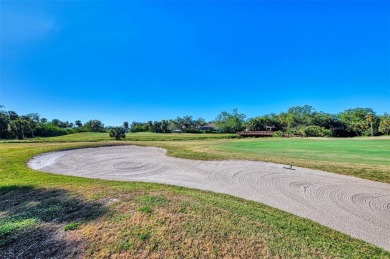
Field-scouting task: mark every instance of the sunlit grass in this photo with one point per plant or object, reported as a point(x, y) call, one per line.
point(360, 157)
point(140, 136)
point(131, 219)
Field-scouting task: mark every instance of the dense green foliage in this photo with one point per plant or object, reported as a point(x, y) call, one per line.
point(384, 125)
point(138, 136)
point(184, 124)
point(297, 121)
point(118, 133)
point(306, 121)
point(230, 122)
point(13, 125)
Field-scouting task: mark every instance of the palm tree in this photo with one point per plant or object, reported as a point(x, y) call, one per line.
point(117, 133)
point(17, 127)
point(370, 118)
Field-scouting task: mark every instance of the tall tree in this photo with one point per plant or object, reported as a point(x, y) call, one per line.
point(31, 122)
point(78, 123)
point(18, 128)
point(157, 127)
point(4, 121)
point(370, 118)
point(230, 122)
point(384, 125)
point(13, 115)
point(300, 116)
point(179, 122)
point(149, 126)
point(356, 120)
point(137, 127)
point(254, 124)
point(199, 122)
point(126, 126)
point(164, 126)
point(58, 123)
point(172, 125)
point(188, 122)
point(94, 125)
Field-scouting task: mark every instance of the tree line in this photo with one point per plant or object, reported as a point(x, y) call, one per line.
point(13, 125)
point(297, 120)
point(181, 124)
point(306, 121)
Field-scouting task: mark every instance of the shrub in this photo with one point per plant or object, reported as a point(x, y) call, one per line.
point(315, 131)
point(278, 134)
point(118, 133)
point(367, 132)
point(50, 130)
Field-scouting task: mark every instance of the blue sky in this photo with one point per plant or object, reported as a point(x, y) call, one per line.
point(153, 60)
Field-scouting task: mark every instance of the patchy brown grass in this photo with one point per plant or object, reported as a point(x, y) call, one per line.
point(134, 220)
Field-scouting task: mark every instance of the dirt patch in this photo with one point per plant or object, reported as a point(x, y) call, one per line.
point(32, 222)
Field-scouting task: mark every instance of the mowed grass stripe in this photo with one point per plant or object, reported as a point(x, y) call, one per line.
point(333, 150)
point(360, 157)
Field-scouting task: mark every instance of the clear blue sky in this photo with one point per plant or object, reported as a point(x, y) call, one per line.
point(153, 60)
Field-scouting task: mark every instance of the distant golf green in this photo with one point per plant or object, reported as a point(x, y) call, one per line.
point(361, 151)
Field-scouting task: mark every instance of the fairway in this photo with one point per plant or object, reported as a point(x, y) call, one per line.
point(155, 215)
point(322, 197)
point(354, 151)
point(367, 158)
point(145, 219)
point(141, 136)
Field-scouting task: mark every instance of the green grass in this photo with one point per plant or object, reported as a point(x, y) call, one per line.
point(141, 136)
point(72, 226)
point(355, 151)
point(367, 158)
point(180, 222)
point(361, 157)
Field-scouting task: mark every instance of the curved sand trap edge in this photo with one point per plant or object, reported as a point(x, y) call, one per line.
point(357, 207)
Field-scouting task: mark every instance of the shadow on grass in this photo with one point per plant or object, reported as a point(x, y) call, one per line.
point(32, 222)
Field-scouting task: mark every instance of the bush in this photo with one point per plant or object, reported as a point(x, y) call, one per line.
point(292, 132)
point(315, 131)
point(94, 126)
point(278, 134)
point(118, 133)
point(367, 132)
point(50, 130)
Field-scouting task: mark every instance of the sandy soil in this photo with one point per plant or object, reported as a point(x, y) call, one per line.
point(357, 207)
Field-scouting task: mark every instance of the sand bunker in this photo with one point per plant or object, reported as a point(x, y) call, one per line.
point(354, 206)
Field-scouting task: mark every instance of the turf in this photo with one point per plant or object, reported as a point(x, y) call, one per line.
point(120, 219)
point(355, 151)
point(361, 157)
point(140, 136)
